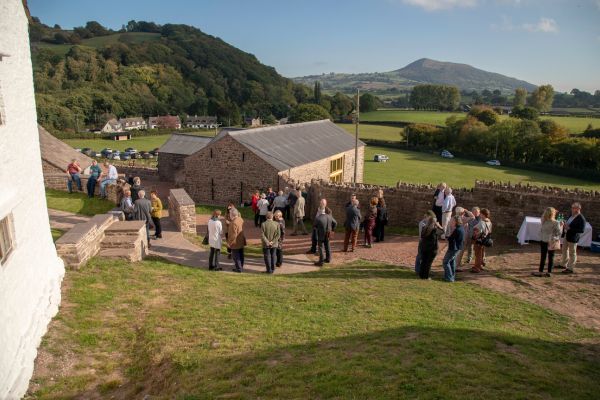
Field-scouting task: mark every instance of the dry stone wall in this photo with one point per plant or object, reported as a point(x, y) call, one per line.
point(182, 210)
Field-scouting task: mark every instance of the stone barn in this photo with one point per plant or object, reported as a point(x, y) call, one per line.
point(236, 162)
point(175, 150)
point(30, 270)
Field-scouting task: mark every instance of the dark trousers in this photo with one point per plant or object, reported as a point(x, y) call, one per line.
point(313, 241)
point(256, 218)
point(287, 213)
point(238, 259)
point(91, 186)
point(324, 251)
point(158, 228)
point(213, 258)
point(438, 212)
point(427, 258)
point(269, 255)
point(543, 252)
point(350, 238)
point(379, 231)
point(261, 219)
point(279, 254)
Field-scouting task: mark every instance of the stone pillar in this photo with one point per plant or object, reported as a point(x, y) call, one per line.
point(182, 210)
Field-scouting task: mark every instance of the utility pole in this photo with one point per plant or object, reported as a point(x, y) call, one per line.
point(356, 121)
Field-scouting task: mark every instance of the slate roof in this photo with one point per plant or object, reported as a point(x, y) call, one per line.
point(184, 144)
point(293, 145)
point(58, 153)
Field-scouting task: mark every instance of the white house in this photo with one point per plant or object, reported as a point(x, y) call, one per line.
point(133, 123)
point(112, 126)
point(30, 270)
point(202, 121)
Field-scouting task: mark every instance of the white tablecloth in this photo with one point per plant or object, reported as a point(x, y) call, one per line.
point(531, 230)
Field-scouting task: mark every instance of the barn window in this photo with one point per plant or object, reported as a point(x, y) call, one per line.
point(211, 155)
point(7, 238)
point(336, 169)
point(243, 157)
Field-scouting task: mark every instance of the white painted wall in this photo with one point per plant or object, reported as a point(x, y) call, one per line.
point(30, 278)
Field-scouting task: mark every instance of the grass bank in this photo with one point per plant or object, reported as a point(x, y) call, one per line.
point(78, 203)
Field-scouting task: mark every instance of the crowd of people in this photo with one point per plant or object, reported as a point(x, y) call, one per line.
point(106, 176)
point(136, 207)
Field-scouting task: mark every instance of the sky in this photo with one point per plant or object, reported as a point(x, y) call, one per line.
point(540, 41)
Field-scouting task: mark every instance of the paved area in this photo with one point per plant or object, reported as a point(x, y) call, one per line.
point(63, 220)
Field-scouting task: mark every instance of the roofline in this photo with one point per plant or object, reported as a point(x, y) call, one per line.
point(275, 127)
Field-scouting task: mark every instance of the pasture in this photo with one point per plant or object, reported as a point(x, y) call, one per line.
point(362, 330)
point(416, 167)
point(573, 124)
point(379, 132)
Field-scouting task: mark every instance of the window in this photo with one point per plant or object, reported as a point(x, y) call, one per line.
point(336, 170)
point(7, 240)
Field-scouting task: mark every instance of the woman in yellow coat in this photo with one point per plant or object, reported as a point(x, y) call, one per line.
point(156, 213)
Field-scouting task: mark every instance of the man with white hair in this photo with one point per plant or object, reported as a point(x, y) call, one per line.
point(447, 207)
point(279, 202)
point(313, 238)
point(109, 178)
point(142, 208)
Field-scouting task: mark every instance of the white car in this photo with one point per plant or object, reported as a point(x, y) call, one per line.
point(493, 162)
point(446, 154)
point(380, 158)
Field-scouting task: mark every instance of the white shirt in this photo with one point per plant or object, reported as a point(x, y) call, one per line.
point(280, 202)
point(440, 199)
point(449, 203)
point(215, 230)
point(263, 206)
point(112, 172)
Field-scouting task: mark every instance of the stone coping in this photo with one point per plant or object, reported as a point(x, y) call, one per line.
point(181, 197)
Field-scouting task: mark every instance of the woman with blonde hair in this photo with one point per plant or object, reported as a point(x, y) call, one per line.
point(549, 241)
point(369, 221)
point(481, 236)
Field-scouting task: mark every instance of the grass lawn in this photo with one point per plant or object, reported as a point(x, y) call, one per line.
point(379, 132)
point(141, 143)
point(357, 331)
point(573, 124)
point(56, 233)
point(415, 167)
point(77, 203)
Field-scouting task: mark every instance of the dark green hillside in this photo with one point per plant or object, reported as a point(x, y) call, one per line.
point(174, 69)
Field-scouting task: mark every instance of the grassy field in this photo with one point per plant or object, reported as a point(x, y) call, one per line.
point(356, 331)
point(391, 133)
point(415, 167)
point(77, 203)
point(574, 124)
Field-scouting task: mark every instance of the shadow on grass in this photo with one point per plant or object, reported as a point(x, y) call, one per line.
point(408, 362)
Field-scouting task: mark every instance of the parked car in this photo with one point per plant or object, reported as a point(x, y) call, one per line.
point(87, 151)
point(94, 154)
point(446, 154)
point(115, 156)
point(146, 156)
point(380, 158)
point(106, 152)
point(493, 162)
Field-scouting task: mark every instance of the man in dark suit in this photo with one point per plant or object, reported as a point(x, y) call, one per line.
point(352, 225)
point(324, 226)
point(141, 212)
point(572, 230)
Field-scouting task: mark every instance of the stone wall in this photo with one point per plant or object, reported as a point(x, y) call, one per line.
point(82, 242)
point(509, 204)
point(169, 164)
point(182, 210)
point(145, 173)
point(59, 182)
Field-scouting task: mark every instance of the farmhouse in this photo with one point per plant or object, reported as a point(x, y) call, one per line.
point(165, 121)
point(133, 123)
point(111, 126)
point(202, 121)
point(252, 122)
point(30, 270)
point(238, 161)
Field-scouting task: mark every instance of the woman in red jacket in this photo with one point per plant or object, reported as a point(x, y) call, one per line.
point(254, 205)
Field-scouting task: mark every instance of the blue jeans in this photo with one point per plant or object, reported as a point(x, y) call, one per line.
point(74, 178)
point(449, 264)
point(238, 259)
point(270, 258)
point(103, 186)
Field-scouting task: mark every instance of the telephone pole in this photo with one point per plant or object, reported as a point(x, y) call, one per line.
point(356, 121)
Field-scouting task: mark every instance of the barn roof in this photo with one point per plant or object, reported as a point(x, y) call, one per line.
point(57, 153)
point(293, 145)
point(184, 144)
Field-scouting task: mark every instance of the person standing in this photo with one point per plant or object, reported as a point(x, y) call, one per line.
point(572, 231)
point(270, 241)
point(157, 208)
point(299, 214)
point(236, 240)
point(352, 225)
point(95, 172)
point(126, 205)
point(469, 242)
point(325, 225)
point(254, 205)
point(141, 212)
point(438, 201)
point(429, 244)
point(421, 226)
point(73, 171)
point(278, 216)
point(263, 208)
point(447, 207)
point(369, 222)
point(292, 198)
point(286, 211)
point(215, 233)
point(270, 197)
point(381, 221)
point(136, 187)
point(109, 178)
point(456, 241)
point(480, 232)
point(279, 202)
point(313, 236)
point(228, 219)
point(549, 241)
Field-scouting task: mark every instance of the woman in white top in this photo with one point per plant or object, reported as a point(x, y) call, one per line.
point(263, 208)
point(549, 241)
point(215, 232)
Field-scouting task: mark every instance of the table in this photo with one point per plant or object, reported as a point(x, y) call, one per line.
point(531, 230)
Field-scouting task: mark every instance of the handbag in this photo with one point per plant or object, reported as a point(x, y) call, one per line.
point(205, 240)
point(486, 241)
point(554, 244)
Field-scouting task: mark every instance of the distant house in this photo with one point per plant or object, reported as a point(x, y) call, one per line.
point(252, 122)
point(165, 122)
point(129, 124)
point(121, 136)
point(201, 121)
point(111, 126)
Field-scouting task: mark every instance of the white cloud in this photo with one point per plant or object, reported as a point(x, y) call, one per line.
point(435, 5)
point(546, 25)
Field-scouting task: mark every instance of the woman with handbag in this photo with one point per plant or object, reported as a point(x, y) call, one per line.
point(482, 236)
point(549, 242)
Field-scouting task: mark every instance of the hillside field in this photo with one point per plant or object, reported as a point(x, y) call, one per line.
point(573, 124)
point(378, 132)
point(416, 167)
point(101, 41)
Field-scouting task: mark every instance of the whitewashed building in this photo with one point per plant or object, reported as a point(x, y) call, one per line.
point(111, 126)
point(30, 270)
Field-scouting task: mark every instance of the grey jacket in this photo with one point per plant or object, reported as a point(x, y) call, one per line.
point(324, 223)
point(353, 218)
point(141, 210)
point(550, 231)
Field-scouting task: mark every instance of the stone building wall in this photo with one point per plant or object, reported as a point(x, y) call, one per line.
point(169, 165)
point(182, 210)
point(509, 204)
point(321, 169)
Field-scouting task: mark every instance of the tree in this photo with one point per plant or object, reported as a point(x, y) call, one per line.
point(341, 105)
point(520, 97)
point(369, 102)
point(308, 112)
point(484, 114)
point(317, 92)
point(542, 98)
point(529, 113)
point(435, 97)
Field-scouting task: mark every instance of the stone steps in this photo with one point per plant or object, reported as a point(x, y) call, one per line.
point(130, 255)
point(124, 240)
point(119, 241)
